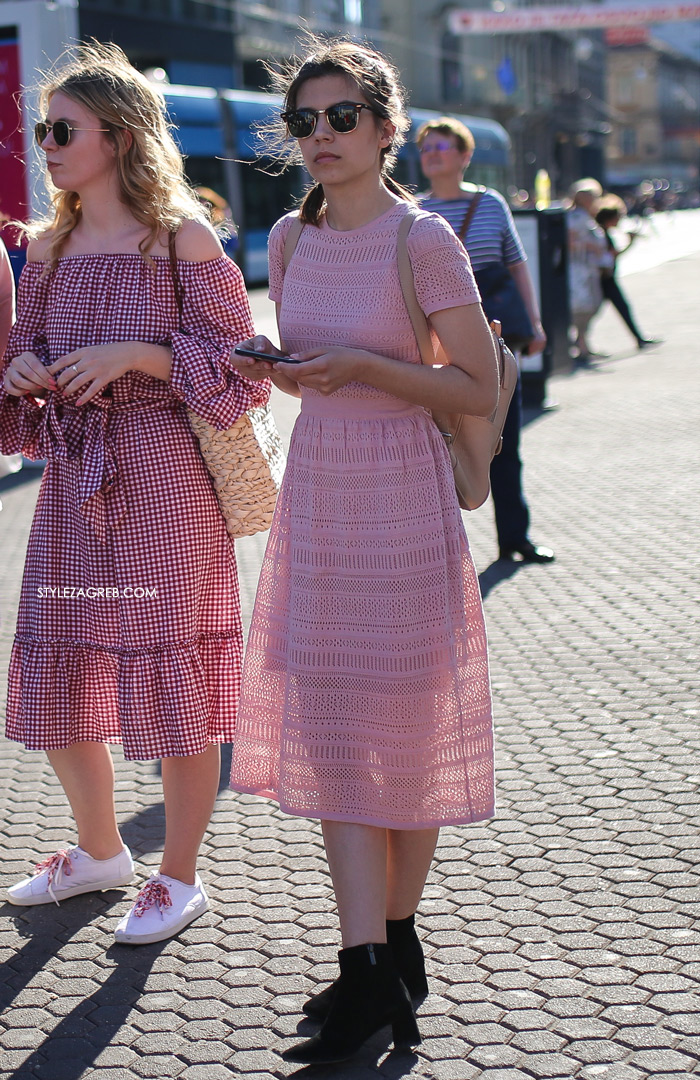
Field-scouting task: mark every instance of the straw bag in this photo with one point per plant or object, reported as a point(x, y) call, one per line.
point(246, 461)
point(472, 441)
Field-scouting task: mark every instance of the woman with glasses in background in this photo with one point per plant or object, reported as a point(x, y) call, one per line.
point(365, 699)
point(129, 626)
point(483, 221)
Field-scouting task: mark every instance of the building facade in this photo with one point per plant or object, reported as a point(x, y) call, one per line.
point(547, 89)
point(217, 42)
point(655, 92)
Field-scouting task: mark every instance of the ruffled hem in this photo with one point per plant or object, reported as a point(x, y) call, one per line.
point(171, 701)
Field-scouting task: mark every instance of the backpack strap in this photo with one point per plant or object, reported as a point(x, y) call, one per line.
point(416, 314)
point(291, 240)
point(408, 288)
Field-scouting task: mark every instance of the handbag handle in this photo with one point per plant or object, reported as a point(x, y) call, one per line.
point(177, 284)
point(471, 210)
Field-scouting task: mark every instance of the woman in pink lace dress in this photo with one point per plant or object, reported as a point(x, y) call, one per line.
point(365, 698)
point(129, 624)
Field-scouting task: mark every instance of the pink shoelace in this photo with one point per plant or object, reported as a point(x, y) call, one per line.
point(55, 863)
point(154, 894)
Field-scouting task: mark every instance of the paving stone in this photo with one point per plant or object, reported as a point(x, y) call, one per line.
point(560, 935)
point(647, 1037)
point(596, 1051)
point(664, 1061)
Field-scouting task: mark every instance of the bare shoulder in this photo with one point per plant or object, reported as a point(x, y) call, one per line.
point(197, 242)
point(38, 248)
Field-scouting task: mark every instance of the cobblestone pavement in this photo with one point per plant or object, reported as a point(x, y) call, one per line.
point(562, 938)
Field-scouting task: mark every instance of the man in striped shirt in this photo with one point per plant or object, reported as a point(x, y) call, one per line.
point(446, 148)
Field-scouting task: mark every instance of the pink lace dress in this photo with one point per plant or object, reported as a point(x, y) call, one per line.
point(365, 690)
point(129, 626)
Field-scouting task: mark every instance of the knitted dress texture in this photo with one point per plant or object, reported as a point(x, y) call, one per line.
point(365, 689)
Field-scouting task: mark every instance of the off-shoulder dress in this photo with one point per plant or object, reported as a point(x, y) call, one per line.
point(366, 687)
point(129, 626)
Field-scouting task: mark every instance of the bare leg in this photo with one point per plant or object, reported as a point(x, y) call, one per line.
point(86, 773)
point(190, 785)
point(581, 323)
point(409, 855)
point(357, 856)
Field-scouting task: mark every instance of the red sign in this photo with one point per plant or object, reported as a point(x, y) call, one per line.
point(14, 201)
point(570, 17)
point(627, 35)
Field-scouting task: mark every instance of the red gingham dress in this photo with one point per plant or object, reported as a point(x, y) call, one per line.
point(126, 507)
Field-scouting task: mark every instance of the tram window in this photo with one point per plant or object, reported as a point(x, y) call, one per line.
point(206, 172)
point(267, 197)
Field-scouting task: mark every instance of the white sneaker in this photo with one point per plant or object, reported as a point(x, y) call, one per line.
point(163, 908)
point(69, 873)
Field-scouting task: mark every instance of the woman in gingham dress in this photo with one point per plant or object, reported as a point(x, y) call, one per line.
point(129, 624)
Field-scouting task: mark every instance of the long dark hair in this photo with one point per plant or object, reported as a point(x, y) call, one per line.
point(378, 82)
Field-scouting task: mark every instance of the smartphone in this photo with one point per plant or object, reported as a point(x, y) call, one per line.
point(240, 351)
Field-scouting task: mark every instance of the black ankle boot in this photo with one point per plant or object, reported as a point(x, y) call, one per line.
point(402, 939)
point(407, 952)
point(369, 995)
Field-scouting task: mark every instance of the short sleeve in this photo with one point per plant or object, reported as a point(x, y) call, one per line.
point(275, 255)
point(216, 315)
point(513, 250)
point(441, 268)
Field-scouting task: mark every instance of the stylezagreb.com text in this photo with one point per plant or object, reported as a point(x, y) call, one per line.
point(97, 592)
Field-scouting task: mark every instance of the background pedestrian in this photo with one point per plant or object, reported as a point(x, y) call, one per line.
point(491, 239)
point(608, 213)
point(588, 256)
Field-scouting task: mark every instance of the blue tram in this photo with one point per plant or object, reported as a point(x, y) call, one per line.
point(215, 131)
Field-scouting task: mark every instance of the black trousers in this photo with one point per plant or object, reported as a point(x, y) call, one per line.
point(613, 293)
point(512, 514)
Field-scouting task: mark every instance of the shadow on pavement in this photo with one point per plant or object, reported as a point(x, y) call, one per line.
point(499, 570)
point(83, 1034)
point(396, 1064)
point(45, 930)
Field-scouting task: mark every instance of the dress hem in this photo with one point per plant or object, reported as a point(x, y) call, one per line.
point(211, 740)
point(363, 820)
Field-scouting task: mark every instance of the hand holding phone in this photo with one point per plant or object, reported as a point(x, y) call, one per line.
point(240, 350)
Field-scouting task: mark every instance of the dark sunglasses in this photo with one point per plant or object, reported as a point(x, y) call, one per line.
point(343, 117)
point(62, 131)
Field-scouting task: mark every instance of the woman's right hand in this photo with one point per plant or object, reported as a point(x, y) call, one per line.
point(247, 365)
point(27, 375)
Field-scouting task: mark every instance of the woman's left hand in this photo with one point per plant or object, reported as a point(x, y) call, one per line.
point(326, 370)
point(89, 370)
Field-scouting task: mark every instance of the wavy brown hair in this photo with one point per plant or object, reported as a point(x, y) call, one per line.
point(149, 166)
point(376, 79)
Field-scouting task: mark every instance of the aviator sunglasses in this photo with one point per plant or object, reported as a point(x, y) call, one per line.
point(62, 131)
point(343, 117)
